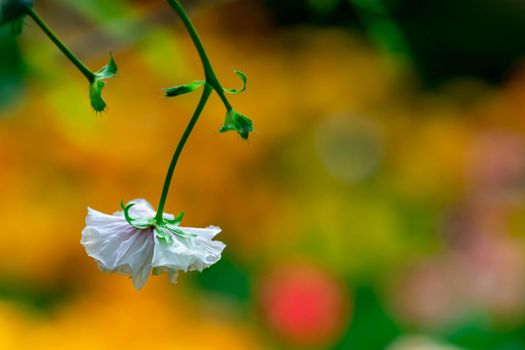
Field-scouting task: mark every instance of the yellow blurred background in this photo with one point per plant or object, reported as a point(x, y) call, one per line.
point(378, 205)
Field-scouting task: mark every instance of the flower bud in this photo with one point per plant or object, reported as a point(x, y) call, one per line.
point(237, 122)
point(96, 86)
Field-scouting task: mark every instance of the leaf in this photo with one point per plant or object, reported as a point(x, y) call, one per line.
point(244, 79)
point(237, 122)
point(183, 89)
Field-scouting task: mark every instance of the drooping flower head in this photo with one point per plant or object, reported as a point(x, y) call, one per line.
point(132, 242)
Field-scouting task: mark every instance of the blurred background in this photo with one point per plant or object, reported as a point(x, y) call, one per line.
point(379, 204)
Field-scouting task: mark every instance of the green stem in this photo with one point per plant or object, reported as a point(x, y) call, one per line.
point(167, 182)
point(212, 83)
point(211, 78)
point(224, 100)
point(54, 38)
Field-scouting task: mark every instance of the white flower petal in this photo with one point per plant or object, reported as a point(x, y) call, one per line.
point(206, 233)
point(118, 247)
point(95, 217)
point(187, 254)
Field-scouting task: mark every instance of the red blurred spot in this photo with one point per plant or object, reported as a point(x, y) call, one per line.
point(304, 305)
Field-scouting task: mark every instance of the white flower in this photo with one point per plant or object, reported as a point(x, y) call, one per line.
point(132, 243)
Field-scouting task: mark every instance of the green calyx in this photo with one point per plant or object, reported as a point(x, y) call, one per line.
point(164, 228)
point(237, 122)
point(97, 84)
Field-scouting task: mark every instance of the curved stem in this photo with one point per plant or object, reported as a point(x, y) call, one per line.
point(204, 98)
point(212, 83)
point(54, 38)
point(211, 78)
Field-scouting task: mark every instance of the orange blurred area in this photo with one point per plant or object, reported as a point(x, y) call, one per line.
point(365, 212)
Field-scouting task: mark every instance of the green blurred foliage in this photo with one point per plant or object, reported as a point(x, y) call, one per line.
point(11, 68)
point(372, 327)
point(444, 38)
point(229, 278)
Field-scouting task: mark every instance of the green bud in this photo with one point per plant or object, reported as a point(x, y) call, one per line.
point(183, 89)
point(96, 86)
point(95, 95)
point(237, 122)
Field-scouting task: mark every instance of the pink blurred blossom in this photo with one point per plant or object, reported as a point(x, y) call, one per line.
point(303, 304)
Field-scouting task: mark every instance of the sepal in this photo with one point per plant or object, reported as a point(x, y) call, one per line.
point(163, 234)
point(183, 89)
point(164, 228)
point(141, 223)
point(244, 80)
point(108, 71)
point(179, 232)
point(177, 220)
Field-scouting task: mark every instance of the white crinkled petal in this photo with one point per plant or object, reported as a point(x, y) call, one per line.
point(206, 233)
point(118, 247)
point(187, 254)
